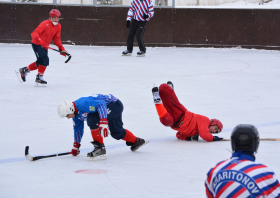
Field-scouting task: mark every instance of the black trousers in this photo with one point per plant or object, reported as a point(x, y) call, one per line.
point(114, 116)
point(136, 28)
point(41, 54)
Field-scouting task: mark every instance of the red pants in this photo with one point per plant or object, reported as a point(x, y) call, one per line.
point(174, 108)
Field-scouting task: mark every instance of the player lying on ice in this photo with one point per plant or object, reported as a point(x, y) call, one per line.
point(103, 114)
point(173, 114)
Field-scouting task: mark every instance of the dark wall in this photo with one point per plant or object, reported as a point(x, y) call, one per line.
point(85, 25)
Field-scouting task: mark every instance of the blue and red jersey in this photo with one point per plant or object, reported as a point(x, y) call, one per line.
point(240, 177)
point(140, 7)
point(90, 104)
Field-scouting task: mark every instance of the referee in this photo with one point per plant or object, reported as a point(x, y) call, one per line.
point(141, 11)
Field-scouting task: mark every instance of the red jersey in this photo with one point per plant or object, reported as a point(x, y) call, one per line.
point(194, 124)
point(48, 32)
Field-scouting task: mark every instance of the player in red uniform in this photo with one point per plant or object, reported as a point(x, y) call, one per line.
point(48, 31)
point(173, 114)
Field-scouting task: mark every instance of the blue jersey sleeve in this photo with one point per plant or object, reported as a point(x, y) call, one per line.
point(78, 126)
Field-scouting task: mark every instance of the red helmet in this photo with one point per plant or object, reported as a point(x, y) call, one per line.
point(55, 13)
point(218, 123)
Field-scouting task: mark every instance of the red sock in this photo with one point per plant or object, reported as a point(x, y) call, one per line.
point(32, 66)
point(129, 137)
point(160, 110)
point(41, 69)
point(95, 136)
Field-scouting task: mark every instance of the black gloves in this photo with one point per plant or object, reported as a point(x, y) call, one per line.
point(145, 16)
point(128, 24)
point(216, 138)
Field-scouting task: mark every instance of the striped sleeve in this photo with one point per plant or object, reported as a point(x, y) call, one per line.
point(268, 183)
point(209, 189)
point(209, 194)
point(265, 179)
point(151, 9)
point(78, 126)
point(102, 110)
point(130, 13)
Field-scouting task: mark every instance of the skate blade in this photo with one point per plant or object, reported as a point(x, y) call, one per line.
point(19, 76)
point(141, 55)
point(97, 158)
point(146, 142)
point(40, 85)
point(129, 54)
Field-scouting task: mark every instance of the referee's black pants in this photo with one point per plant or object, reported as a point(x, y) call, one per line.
point(136, 28)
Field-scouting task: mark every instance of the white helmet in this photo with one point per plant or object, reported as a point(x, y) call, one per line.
point(65, 108)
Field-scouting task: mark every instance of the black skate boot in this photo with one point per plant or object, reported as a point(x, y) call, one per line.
point(156, 96)
point(98, 153)
point(139, 142)
point(141, 53)
point(23, 73)
point(193, 138)
point(40, 80)
point(170, 84)
point(127, 53)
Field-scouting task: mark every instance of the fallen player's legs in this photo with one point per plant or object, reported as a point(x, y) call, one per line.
point(171, 103)
point(165, 118)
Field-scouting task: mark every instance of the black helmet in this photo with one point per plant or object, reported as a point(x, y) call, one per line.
point(245, 137)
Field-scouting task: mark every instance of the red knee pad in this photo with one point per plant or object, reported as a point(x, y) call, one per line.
point(167, 120)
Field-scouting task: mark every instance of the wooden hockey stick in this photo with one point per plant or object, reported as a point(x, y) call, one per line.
point(69, 55)
point(263, 139)
point(41, 157)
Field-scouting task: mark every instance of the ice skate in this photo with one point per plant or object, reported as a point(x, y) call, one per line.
point(98, 153)
point(170, 84)
point(139, 142)
point(141, 53)
point(156, 96)
point(40, 81)
point(193, 138)
point(21, 74)
point(127, 53)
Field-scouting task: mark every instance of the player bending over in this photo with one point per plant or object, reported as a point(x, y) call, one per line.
point(240, 176)
point(48, 31)
point(103, 114)
point(173, 114)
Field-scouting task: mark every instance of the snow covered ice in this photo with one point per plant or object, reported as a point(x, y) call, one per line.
point(234, 85)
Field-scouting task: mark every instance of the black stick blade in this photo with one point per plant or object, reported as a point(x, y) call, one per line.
point(69, 57)
point(26, 150)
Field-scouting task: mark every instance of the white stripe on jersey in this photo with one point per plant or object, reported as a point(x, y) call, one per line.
point(275, 192)
point(266, 182)
point(229, 190)
point(246, 194)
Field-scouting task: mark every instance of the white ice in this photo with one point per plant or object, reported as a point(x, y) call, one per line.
point(234, 85)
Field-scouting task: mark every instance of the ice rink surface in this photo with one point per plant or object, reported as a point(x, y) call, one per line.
point(233, 85)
